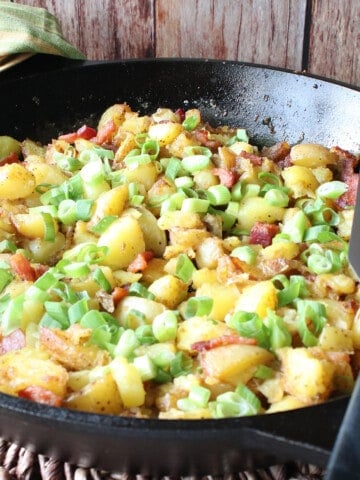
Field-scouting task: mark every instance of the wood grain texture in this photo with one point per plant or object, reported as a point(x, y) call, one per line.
point(321, 36)
point(105, 29)
point(260, 31)
point(335, 40)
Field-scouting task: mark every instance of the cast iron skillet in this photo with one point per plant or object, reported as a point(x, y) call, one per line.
point(273, 105)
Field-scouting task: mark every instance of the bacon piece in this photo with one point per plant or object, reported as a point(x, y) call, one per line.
point(118, 294)
point(262, 233)
point(222, 341)
point(40, 395)
point(348, 163)
point(227, 177)
point(140, 262)
point(14, 341)
point(254, 159)
point(277, 152)
point(12, 158)
point(22, 267)
point(203, 137)
point(106, 132)
point(68, 137)
point(181, 114)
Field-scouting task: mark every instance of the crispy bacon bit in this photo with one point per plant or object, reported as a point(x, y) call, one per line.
point(254, 159)
point(22, 267)
point(69, 137)
point(118, 294)
point(181, 114)
point(40, 395)
point(84, 132)
point(12, 158)
point(227, 177)
point(262, 233)
point(277, 152)
point(140, 262)
point(106, 132)
point(14, 341)
point(348, 163)
point(222, 341)
point(203, 137)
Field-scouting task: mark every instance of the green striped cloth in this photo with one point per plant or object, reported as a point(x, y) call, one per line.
point(32, 29)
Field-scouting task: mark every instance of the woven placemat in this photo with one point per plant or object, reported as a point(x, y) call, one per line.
point(17, 463)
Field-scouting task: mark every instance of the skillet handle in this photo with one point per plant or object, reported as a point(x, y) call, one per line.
point(344, 463)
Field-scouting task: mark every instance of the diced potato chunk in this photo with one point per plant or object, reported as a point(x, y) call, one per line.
point(336, 339)
point(128, 381)
point(258, 298)
point(15, 181)
point(306, 377)
point(256, 209)
point(224, 298)
point(233, 364)
point(169, 290)
point(311, 155)
point(199, 329)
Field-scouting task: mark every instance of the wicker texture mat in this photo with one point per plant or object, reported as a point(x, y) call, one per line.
point(17, 463)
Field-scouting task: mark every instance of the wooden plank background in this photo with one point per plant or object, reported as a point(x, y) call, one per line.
point(319, 36)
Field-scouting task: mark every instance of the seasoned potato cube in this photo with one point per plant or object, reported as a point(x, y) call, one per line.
point(312, 155)
point(180, 219)
point(116, 113)
point(124, 239)
point(300, 180)
point(143, 174)
point(99, 396)
point(208, 252)
point(169, 290)
point(111, 202)
point(32, 225)
point(306, 377)
point(154, 236)
point(258, 298)
point(256, 209)
point(287, 403)
point(164, 133)
point(43, 172)
point(233, 364)
point(288, 250)
point(336, 340)
point(345, 223)
point(204, 275)
point(198, 329)
point(15, 181)
point(224, 298)
point(40, 371)
point(149, 308)
point(128, 381)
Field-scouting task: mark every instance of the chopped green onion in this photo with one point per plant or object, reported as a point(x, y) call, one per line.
point(57, 311)
point(250, 325)
point(263, 372)
point(139, 290)
point(293, 289)
point(270, 179)
point(198, 306)
point(241, 135)
point(151, 148)
point(12, 316)
point(51, 209)
point(195, 163)
point(93, 172)
point(240, 403)
point(279, 336)
point(101, 280)
point(190, 123)
point(127, 343)
point(251, 190)
point(5, 278)
point(76, 269)
point(184, 182)
point(180, 365)
point(313, 313)
point(195, 205)
point(197, 150)
point(67, 211)
point(7, 245)
point(326, 216)
point(78, 310)
point(276, 197)
point(145, 335)
point(173, 168)
point(184, 268)
point(133, 161)
point(146, 367)
point(141, 138)
point(102, 225)
point(49, 234)
point(218, 195)
point(67, 163)
point(333, 189)
point(165, 326)
point(83, 209)
point(245, 253)
point(295, 227)
point(318, 263)
point(104, 152)
point(199, 395)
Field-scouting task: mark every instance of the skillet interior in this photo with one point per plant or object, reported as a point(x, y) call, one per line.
point(273, 105)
